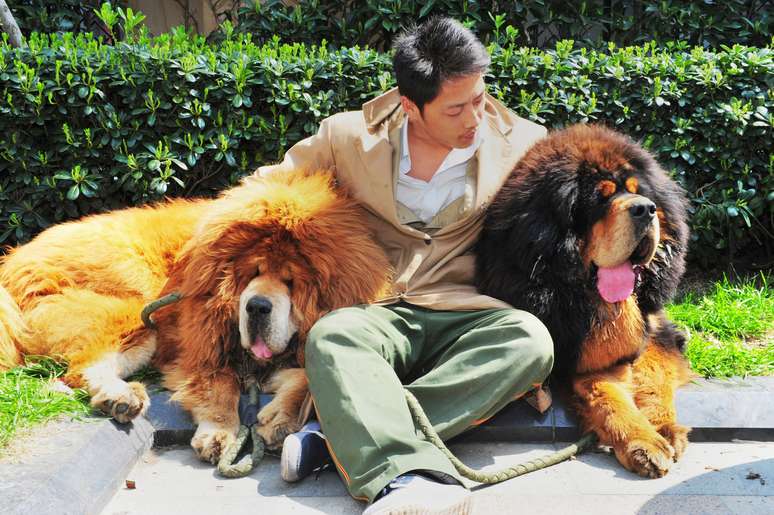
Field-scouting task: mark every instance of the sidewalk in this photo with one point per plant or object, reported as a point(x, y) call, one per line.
point(712, 478)
point(79, 467)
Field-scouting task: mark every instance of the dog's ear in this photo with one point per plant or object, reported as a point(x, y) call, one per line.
point(349, 267)
point(529, 255)
point(532, 221)
point(659, 280)
point(206, 266)
point(357, 269)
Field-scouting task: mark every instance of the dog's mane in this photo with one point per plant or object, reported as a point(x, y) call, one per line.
point(300, 217)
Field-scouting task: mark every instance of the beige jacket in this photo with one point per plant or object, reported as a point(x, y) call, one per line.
point(433, 269)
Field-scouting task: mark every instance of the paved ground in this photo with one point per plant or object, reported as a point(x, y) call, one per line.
point(712, 478)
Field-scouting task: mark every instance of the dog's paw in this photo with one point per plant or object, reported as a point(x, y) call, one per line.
point(209, 442)
point(677, 436)
point(274, 424)
point(122, 401)
point(648, 458)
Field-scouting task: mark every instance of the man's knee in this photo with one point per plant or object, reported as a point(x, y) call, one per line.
point(336, 330)
point(535, 347)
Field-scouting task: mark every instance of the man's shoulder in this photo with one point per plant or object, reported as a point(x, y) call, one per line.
point(347, 118)
point(346, 125)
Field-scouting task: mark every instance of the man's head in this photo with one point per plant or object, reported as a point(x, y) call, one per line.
point(439, 67)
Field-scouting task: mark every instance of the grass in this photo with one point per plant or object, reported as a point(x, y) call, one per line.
point(27, 397)
point(731, 327)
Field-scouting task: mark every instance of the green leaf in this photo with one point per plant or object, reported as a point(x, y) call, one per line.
point(426, 8)
point(179, 163)
point(73, 192)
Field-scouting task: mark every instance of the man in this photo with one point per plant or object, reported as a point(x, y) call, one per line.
point(425, 160)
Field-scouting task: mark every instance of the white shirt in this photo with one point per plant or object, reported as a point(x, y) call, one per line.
point(426, 199)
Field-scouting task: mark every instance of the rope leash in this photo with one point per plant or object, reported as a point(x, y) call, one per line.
point(247, 432)
point(166, 300)
point(501, 475)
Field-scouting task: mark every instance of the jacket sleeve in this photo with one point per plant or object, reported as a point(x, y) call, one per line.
point(314, 152)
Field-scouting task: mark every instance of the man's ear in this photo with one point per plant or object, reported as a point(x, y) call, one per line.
point(410, 108)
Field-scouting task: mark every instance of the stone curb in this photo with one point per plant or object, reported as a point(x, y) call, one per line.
point(77, 471)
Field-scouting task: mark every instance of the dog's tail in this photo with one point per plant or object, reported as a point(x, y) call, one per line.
point(11, 328)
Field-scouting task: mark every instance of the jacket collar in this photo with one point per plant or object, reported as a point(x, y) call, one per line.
point(383, 116)
point(387, 105)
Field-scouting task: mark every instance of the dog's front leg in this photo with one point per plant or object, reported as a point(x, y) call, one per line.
point(607, 407)
point(213, 399)
point(280, 417)
point(104, 378)
point(657, 374)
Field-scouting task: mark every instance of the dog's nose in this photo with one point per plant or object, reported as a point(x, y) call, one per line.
point(258, 305)
point(642, 209)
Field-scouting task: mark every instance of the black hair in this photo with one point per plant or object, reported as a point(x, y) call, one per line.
point(429, 54)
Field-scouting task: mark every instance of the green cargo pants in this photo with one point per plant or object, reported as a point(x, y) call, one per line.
point(462, 366)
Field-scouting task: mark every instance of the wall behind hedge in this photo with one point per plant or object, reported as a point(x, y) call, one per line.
point(540, 23)
point(86, 127)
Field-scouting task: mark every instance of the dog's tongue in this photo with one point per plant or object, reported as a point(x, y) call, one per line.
point(260, 349)
point(616, 284)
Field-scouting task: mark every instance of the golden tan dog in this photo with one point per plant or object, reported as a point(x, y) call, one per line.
point(255, 268)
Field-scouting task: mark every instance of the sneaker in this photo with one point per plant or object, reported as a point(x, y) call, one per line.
point(411, 494)
point(303, 453)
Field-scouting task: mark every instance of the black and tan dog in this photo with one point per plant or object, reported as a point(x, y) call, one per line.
point(588, 233)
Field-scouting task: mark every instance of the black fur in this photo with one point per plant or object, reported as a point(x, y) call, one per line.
point(529, 253)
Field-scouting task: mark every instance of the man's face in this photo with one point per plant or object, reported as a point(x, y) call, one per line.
point(451, 118)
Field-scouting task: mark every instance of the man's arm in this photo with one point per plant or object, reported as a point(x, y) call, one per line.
point(314, 152)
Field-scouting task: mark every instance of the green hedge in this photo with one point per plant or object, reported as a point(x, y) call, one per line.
point(86, 126)
point(540, 23)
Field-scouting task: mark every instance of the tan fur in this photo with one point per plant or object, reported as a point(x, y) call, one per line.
point(631, 408)
point(613, 238)
point(606, 188)
point(281, 414)
point(620, 337)
point(77, 290)
point(632, 184)
point(302, 242)
point(656, 375)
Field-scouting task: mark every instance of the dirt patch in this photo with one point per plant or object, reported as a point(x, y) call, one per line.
point(35, 440)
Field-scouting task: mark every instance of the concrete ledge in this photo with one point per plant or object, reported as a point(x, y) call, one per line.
point(718, 410)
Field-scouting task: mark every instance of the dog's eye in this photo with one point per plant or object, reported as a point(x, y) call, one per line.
point(288, 283)
point(631, 185)
point(606, 188)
